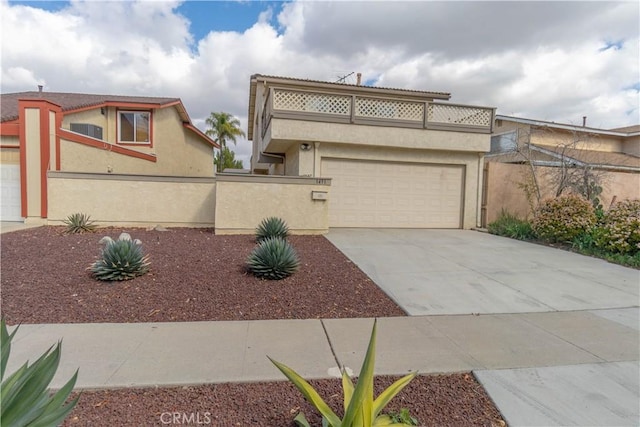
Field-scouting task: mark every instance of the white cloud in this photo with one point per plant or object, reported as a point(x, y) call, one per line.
point(535, 59)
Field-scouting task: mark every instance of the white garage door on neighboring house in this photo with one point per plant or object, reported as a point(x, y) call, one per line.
point(10, 193)
point(394, 195)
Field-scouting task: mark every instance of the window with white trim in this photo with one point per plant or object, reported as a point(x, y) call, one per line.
point(134, 127)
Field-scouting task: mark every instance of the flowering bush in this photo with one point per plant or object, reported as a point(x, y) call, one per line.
point(564, 218)
point(620, 229)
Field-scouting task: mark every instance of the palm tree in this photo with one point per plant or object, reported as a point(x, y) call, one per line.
point(223, 127)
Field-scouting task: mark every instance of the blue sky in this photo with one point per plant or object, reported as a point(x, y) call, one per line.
point(225, 16)
point(205, 16)
point(556, 61)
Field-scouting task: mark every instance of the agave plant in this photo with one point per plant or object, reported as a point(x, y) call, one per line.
point(79, 223)
point(272, 227)
point(121, 259)
point(360, 409)
point(274, 258)
point(24, 395)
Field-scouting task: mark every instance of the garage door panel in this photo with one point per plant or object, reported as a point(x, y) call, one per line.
point(393, 194)
point(10, 198)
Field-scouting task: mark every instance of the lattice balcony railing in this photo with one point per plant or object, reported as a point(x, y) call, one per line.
point(310, 102)
point(381, 111)
point(389, 109)
point(459, 115)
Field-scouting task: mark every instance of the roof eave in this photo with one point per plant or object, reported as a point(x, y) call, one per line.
point(542, 123)
point(353, 88)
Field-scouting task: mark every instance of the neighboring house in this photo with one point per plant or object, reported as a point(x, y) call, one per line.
point(48, 139)
point(613, 155)
point(395, 157)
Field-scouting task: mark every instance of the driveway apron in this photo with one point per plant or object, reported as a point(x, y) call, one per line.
point(435, 272)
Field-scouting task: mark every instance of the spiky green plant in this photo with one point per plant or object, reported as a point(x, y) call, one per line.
point(24, 395)
point(79, 223)
point(272, 227)
point(274, 258)
point(121, 259)
point(360, 409)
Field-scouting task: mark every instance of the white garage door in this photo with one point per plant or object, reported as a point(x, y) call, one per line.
point(10, 193)
point(393, 195)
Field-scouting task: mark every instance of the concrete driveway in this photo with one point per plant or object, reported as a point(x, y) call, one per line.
point(430, 272)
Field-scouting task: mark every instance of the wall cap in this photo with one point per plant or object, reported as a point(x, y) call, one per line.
point(272, 179)
point(129, 177)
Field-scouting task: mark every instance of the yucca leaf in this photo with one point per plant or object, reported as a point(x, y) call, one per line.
point(386, 421)
point(6, 346)
point(24, 397)
point(301, 420)
point(347, 388)
point(121, 259)
point(274, 258)
point(37, 379)
point(272, 227)
point(79, 223)
point(309, 393)
point(363, 393)
point(390, 392)
point(13, 386)
point(55, 412)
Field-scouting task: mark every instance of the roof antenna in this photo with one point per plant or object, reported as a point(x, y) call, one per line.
point(343, 78)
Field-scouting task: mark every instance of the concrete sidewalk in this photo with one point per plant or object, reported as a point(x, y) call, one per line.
point(149, 354)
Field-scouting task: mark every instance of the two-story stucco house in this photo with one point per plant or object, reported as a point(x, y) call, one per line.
point(61, 152)
point(396, 157)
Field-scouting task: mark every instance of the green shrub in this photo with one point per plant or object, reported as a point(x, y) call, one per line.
point(620, 229)
point(121, 259)
point(509, 225)
point(563, 219)
point(586, 242)
point(25, 399)
point(274, 258)
point(272, 227)
point(79, 223)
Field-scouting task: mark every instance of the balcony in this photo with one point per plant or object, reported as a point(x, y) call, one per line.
point(376, 111)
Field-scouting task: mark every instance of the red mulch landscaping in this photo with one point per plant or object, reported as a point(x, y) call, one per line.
point(435, 400)
point(195, 275)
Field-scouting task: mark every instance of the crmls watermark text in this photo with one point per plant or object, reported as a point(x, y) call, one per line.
point(185, 418)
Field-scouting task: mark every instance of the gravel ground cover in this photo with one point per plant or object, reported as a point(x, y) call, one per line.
point(195, 275)
point(435, 400)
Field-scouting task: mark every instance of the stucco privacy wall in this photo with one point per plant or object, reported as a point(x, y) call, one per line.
point(503, 190)
point(132, 200)
point(472, 162)
point(243, 201)
point(178, 151)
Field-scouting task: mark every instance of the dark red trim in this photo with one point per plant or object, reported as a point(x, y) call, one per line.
point(85, 140)
point(9, 146)
point(11, 128)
